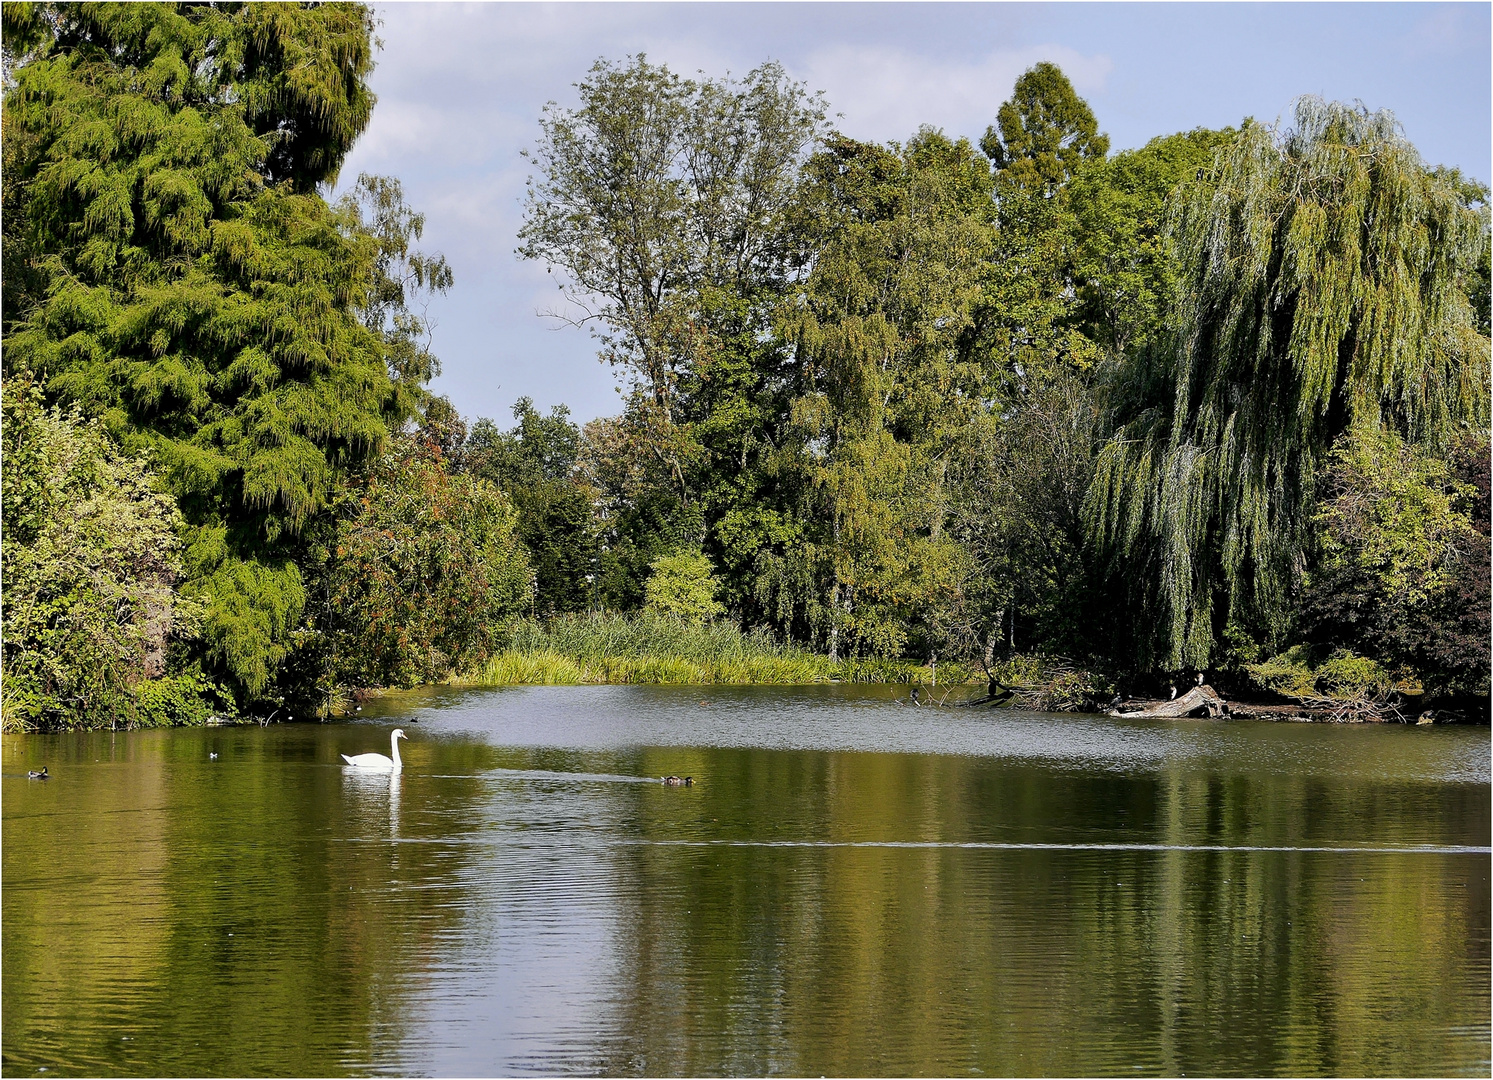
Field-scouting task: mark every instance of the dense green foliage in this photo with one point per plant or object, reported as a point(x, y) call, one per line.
point(91, 559)
point(179, 277)
point(426, 573)
point(682, 585)
point(1323, 290)
point(666, 207)
point(172, 271)
point(1401, 567)
point(1188, 405)
point(535, 463)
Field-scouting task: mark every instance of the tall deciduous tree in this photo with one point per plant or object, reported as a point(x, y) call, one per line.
point(178, 276)
point(658, 194)
point(1025, 460)
point(1324, 276)
point(664, 205)
point(885, 380)
point(1123, 272)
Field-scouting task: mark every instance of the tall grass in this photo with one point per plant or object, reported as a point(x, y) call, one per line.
point(660, 649)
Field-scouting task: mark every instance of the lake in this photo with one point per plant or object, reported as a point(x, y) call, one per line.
point(852, 886)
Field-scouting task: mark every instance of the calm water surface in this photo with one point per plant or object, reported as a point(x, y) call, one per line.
point(853, 886)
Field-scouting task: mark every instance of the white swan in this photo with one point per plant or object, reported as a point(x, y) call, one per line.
point(378, 761)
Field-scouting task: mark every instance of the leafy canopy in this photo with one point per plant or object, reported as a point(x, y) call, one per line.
point(426, 575)
point(1400, 568)
point(179, 277)
point(884, 378)
point(682, 585)
point(534, 464)
point(90, 560)
point(663, 203)
point(1323, 288)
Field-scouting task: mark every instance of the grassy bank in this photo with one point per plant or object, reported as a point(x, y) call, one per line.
point(658, 649)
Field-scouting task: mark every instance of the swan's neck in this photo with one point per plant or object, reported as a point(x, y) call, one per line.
point(395, 740)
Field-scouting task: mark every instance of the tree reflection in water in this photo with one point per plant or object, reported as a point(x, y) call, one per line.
point(1021, 907)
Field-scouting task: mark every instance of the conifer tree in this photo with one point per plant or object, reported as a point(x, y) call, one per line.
point(172, 270)
point(1044, 133)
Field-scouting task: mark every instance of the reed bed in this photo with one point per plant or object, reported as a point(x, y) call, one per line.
point(661, 650)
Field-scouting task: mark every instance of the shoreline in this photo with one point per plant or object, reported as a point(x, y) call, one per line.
point(664, 671)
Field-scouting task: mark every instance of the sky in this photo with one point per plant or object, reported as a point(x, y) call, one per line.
point(461, 86)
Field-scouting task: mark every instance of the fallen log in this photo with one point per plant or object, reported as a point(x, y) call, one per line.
point(1199, 701)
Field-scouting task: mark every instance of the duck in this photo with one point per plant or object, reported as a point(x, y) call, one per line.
point(676, 781)
point(33, 775)
point(377, 762)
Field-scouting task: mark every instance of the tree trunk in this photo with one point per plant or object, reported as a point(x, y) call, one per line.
point(1199, 701)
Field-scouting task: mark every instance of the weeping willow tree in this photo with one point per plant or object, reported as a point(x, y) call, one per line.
point(1324, 276)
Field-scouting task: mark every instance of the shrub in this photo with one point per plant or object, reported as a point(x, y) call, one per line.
point(682, 585)
point(1402, 559)
point(426, 573)
point(1282, 676)
point(91, 559)
point(191, 699)
point(1344, 674)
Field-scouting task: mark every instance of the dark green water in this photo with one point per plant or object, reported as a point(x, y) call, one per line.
point(853, 886)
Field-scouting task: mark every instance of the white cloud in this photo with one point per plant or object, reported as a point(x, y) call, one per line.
point(886, 93)
point(1449, 29)
point(461, 88)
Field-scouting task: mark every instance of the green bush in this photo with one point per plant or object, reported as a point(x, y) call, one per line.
point(1401, 570)
point(91, 560)
point(1290, 679)
point(426, 574)
point(1344, 674)
point(191, 699)
point(683, 585)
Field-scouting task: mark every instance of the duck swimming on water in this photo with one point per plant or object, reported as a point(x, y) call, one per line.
point(38, 775)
